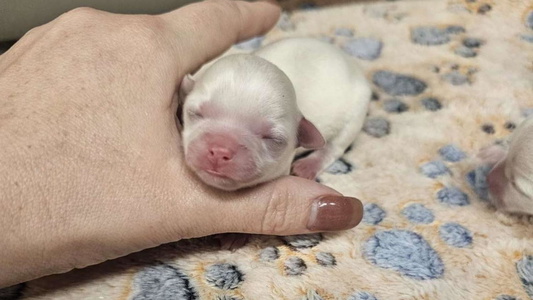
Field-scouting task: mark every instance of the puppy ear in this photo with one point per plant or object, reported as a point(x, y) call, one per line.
point(186, 86)
point(308, 135)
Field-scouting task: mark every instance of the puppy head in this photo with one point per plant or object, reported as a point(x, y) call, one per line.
point(241, 123)
point(511, 179)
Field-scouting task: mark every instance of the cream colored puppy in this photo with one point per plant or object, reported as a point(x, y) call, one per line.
point(246, 116)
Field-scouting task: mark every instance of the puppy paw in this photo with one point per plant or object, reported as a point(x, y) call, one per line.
point(307, 167)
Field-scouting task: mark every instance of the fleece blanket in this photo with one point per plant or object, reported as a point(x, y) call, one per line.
point(449, 77)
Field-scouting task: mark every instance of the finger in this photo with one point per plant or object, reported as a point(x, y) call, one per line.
point(205, 30)
point(287, 206)
point(23, 44)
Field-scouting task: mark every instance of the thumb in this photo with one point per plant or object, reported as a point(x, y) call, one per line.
point(290, 205)
point(206, 29)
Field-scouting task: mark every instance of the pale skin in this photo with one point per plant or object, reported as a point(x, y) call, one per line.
point(91, 164)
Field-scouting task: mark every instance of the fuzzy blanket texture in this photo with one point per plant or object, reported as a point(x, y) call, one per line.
point(449, 77)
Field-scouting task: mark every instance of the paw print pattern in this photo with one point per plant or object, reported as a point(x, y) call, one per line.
point(397, 84)
point(491, 128)
point(362, 296)
point(377, 127)
point(469, 47)
point(340, 166)
point(452, 153)
point(449, 195)
point(456, 74)
point(434, 169)
point(269, 254)
point(418, 214)
point(477, 179)
point(294, 262)
point(452, 196)
point(506, 297)
point(366, 48)
point(524, 268)
point(488, 128)
point(434, 35)
point(224, 276)
point(163, 282)
point(373, 214)
point(528, 22)
point(303, 240)
point(395, 106)
point(476, 6)
point(405, 252)
point(431, 104)
point(326, 259)
point(295, 266)
point(455, 235)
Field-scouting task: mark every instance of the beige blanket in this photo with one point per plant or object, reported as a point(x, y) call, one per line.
point(450, 77)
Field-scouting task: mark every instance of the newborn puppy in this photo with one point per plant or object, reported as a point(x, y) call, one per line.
point(247, 115)
point(511, 179)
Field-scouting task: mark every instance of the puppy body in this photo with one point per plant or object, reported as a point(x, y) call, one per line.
point(247, 115)
point(511, 179)
point(331, 91)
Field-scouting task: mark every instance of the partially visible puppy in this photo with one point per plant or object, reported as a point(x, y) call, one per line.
point(511, 179)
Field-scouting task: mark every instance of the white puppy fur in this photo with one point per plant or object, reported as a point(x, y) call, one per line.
point(260, 104)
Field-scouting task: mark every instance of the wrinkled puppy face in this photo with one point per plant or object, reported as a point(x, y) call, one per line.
point(241, 124)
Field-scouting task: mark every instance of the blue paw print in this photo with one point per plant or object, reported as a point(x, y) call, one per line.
point(340, 166)
point(505, 297)
point(434, 169)
point(477, 179)
point(408, 252)
point(362, 296)
point(418, 214)
point(455, 235)
point(405, 252)
point(162, 282)
point(373, 214)
point(453, 196)
point(452, 153)
point(524, 268)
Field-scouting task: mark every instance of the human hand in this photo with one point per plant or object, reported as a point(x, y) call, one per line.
point(91, 167)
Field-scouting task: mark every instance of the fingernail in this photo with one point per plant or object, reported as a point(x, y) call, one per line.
point(331, 213)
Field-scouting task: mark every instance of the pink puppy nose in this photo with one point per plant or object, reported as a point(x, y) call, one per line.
point(220, 154)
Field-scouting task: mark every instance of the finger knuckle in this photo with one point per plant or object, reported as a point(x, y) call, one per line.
point(145, 31)
point(34, 31)
point(79, 15)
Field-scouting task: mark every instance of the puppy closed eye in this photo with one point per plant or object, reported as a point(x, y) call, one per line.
point(194, 115)
point(274, 142)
